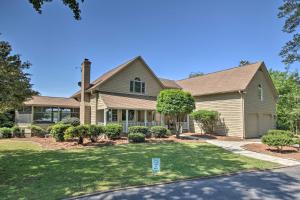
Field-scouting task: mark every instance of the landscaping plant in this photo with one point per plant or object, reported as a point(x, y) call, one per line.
point(74, 121)
point(207, 119)
point(94, 131)
point(17, 132)
point(278, 139)
point(176, 104)
point(159, 131)
point(139, 129)
point(58, 131)
point(136, 137)
point(37, 131)
point(113, 131)
point(5, 132)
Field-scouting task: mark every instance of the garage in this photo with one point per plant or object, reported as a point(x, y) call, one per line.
point(266, 123)
point(252, 125)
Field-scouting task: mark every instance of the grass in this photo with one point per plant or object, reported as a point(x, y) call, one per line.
point(29, 172)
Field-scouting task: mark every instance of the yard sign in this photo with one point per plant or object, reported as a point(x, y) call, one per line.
point(155, 165)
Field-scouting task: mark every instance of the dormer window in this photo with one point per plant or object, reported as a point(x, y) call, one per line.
point(137, 86)
point(260, 92)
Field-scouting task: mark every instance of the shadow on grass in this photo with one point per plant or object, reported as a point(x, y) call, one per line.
point(32, 174)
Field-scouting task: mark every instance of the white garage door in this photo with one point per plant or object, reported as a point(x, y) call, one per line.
point(252, 126)
point(266, 123)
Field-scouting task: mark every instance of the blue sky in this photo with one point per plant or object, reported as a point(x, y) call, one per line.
point(174, 37)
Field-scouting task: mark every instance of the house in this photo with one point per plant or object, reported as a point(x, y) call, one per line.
point(244, 96)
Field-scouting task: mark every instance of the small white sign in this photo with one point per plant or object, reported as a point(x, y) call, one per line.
point(155, 165)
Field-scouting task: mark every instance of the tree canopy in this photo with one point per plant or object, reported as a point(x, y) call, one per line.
point(72, 4)
point(15, 85)
point(176, 104)
point(195, 74)
point(244, 62)
point(288, 86)
point(290, 11)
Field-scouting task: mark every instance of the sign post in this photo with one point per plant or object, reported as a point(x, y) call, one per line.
point(155, 165)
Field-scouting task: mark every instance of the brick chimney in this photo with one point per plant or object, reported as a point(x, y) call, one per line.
point(85, 109)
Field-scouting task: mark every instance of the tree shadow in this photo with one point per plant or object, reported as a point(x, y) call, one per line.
point(49, 174)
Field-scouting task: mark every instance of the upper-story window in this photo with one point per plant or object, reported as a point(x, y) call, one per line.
point(260, 92)
point(137, 86)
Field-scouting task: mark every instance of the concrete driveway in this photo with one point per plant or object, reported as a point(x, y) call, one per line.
point(281, 184)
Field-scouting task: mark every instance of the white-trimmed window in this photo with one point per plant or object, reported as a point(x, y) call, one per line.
point(260, 92)
point(137, 86)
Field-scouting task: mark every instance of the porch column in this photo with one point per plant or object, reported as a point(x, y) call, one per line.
point(126, 125)
point(188, 122)
point(32, 113)
point(104, 116)
point(145, 117)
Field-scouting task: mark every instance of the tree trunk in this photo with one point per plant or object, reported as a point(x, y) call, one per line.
point(80, 140)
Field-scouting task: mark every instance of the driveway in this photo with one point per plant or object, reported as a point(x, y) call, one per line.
point(275, 184)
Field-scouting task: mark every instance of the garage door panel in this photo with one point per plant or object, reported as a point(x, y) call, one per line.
point(252, 125)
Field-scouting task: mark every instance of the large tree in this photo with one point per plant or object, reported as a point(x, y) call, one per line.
point(290, 11)
point(288, 87)
point(175, 104)
point(15, 85)
point(73, 5)
point(195, 74)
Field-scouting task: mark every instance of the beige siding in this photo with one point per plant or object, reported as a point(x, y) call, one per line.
point(265, 110)
point(120, 83)
point(100, 103)
point(93, 103)
point(230, 108)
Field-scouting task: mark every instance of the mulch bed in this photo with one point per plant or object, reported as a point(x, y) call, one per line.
point(287, 152)
point(213, 136)
point(50, 143)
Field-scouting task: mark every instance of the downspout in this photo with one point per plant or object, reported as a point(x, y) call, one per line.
point(243, 112)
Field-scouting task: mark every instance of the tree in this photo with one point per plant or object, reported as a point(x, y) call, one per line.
point(195, 74)
point(288, 87)
point(290, 10)
point(244, 62)
point(15, 85)
point(73, 5)
point(175, 104)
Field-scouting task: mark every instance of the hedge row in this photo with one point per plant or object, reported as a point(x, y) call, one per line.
point(139, 133)
point(15, 131)
point(280, 138)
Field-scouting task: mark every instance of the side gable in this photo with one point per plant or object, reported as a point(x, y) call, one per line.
point(119, 82)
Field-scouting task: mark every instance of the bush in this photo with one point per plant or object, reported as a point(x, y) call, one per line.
point(159, 131)
point(37, 131)
point(49, 128)
point(139, 129)
point(136, 137)
point(95, 131)
point(280, 132)
point(297, 142)
point(113, 131)
point(5, 132)
point(58, 131)
point(278, 140)
point(70, 133)
point(17, 132)
point(206, 118)
point(74, 121)
point(82, 131)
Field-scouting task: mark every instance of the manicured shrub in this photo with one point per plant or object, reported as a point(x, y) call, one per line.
point(140, 129)
point(280, 132)
point(159, 131)
point(17, 132)
point(113, 131)
point(278, 140)
point(207, 119)
point(82, 131)
point(70, 133)
point(74, 121)
point(37, 131)
point(95, 131)
point(58, 131)
point(136, 137)
point(5, 132)
point(49, 128)
point(297, 142)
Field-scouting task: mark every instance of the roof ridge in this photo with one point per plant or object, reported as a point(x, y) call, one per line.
point(52, 96)
point(221, 71)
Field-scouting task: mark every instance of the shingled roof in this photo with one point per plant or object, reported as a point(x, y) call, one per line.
point(230, 80)
point(52, 101)
point(170, 84)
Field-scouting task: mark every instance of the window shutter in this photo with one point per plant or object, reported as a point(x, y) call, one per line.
point(143, 87)
point(131, 86)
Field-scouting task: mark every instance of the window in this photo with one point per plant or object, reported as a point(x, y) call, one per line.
point(137, 86)
point(53, 114)
point(260, 92)
point(25, 110)
point(130, 115)
point(112, 115)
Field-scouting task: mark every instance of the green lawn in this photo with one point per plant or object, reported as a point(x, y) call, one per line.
point(29, 172)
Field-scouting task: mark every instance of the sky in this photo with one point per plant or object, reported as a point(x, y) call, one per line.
point(175, 37)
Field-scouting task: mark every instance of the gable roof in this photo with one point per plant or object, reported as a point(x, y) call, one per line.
point(52, 101)
point(111, 73)
point(230, 80)
point(169, 84)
